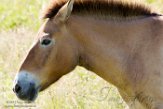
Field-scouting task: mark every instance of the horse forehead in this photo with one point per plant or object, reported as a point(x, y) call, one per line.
point(45, 27)
point(44, 30)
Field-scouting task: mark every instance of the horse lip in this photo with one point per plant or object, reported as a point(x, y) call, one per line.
point(30, 96)
point(33, 93)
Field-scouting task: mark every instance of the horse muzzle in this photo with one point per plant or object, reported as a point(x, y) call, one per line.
point(26, 86)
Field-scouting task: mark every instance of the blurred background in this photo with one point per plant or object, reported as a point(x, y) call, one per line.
point(81, 89)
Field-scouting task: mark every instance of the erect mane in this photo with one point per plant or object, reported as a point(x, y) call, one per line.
point(100, 8)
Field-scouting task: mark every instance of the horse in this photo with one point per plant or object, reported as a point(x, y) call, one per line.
point(122, 42)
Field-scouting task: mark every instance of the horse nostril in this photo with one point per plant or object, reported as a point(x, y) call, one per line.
point(17, 88)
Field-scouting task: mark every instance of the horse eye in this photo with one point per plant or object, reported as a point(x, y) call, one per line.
point(45, 42)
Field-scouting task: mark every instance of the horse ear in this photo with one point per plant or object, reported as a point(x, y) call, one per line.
point(64, 13)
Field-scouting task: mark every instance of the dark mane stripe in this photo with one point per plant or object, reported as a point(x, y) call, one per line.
point(110, 8)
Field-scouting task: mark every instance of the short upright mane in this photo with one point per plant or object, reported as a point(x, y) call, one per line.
point(110, 8)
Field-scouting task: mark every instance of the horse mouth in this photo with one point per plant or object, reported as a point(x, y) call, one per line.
point(32, 95)
point(26, 86)
point(29, 96)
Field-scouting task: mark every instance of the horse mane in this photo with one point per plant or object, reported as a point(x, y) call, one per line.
point(111, 8)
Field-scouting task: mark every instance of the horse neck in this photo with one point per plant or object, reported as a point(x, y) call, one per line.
point(105, 45)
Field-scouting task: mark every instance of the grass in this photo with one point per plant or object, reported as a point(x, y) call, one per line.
point(78, 90)
point(17, 13)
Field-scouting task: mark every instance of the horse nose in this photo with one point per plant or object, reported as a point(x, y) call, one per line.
point(26, 86)
point(17, 88)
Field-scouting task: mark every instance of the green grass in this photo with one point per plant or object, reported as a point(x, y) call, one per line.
point(78, 90)
point(18, 13)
